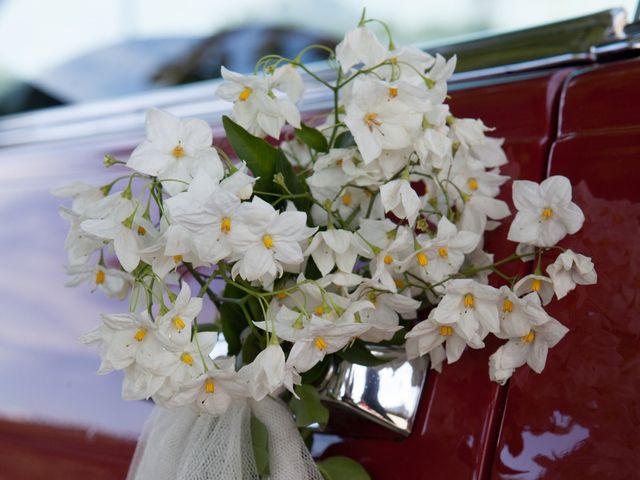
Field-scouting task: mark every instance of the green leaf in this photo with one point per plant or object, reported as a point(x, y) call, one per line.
point(344, 140)
point(261, 157)
point(233, 319)
point(260, 443)
point(264, 161)
point(308, 409)
point(359, 354)
point(312, 138)
point(317, 372)
point(342, 468)
point(251, 347)
point(233, 323)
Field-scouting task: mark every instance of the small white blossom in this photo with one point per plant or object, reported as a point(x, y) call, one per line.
point(398, 197)
point(114, 283)
point(175, 150)
point(174, 327)
point(570, 269)
point(471, 305)
point(255, 106)
point(539, 284)
point(546, 213)
point(359, 46)
point(531, 349)
point(333, 247)
point(268, 240)
point(429, 335)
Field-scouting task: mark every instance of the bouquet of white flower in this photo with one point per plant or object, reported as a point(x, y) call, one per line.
point(366, 227)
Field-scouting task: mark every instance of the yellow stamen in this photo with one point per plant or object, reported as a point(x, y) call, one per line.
point(245, 94)
point(209, 386)
point(371, 120)
point(320, 343)
point(178, 151)
point(507, 306)
point(536, 285)
point(140, 334)
point(281, 295)
point(267, 241)
point(388, 259)
point(469, 301)
point(473, 184)
point(339, 163)
point(529, 337)
point(446, 330)
point(346, 199)
point(393, 92)
point(225, 225)
point(178, 323)
point(393, 60)
point(372, 297)
point(399, 283)
point(177, 258)
point(141, 230)
point(99, 277)
point(422, 259)
point(319, 310)
point(443, 251)
point(186, 358)
point(547, 213)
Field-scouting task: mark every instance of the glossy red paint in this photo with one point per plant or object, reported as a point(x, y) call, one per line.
point(580, 419)
point(455, 432)
point(34, 451)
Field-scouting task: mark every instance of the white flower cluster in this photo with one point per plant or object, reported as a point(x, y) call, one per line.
point(399, 195)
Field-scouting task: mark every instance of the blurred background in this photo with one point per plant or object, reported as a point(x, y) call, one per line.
point(69, 51)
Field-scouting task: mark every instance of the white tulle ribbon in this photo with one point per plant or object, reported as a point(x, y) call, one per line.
point(181, 444)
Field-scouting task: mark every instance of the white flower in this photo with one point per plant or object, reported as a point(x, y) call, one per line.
point(175, 150)
point(268, 240)
point(320, 338)
point(117, 225)
point(437, 77)
point(471, 305)
point(546, 213)
point(531, 349)
point(79, 244)
point(125, 339)
point(287, 79)
point(406, 64)
point(255, 106)
point(377, 121)
point(333, 247)
point(84, 195)
point(213, 391)
point(446, 251)
point(398, 197)
point(542, 285)
point(519, 315)
point(383, 316)
point(174, 327)
point(387, 265)
point(187, 365)
point(570, 269)
point(359, 46)
point(429, 335)
point(114, 283)
point(467, 131)
point(477, 208)
point(204, 221)
point(268, 372)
